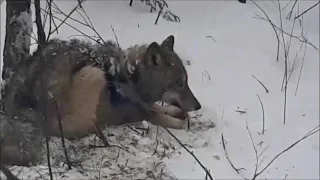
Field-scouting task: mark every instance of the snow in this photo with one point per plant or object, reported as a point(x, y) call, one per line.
point(220, 75)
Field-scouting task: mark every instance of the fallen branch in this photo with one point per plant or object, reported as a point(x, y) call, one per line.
point(7, 172)
point(255, 151)
point(157, 142)
point(61, 131)
point(191, 153)
point(211, 38)
point(226, 154)
point(310, 133)
point(263, 119)
point(267, 91)
point(156, 22)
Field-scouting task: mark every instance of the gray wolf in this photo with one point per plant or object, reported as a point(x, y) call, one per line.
point(91, 85)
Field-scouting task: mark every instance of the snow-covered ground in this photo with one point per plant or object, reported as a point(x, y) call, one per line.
point(220, 75)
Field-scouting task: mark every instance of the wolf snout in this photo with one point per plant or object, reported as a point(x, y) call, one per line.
point(197, 106)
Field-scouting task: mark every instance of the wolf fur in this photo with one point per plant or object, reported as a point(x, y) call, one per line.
point(92, 85)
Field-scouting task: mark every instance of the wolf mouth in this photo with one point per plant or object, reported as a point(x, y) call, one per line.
point(181, 115)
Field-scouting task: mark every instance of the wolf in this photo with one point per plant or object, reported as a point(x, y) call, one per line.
point(87, 86)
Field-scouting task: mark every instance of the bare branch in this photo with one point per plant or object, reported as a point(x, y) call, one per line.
point(285, 79)
point(263, 119)
point(286, 64)
point(307, 10)
point(41, 43)
point(157, 142)
point(211, 38)
point(288, 34)
point(255, 151)
point(310, 133)
point(7, 172)
point(63, 21)
point(115, 36)
point(300, 71)
point(156, 22)
point(61, 131)
point(273, 27)
point(227, 156)
point(267, 91)
point(290, 13)
point(191, 153)
point(293, 64)
point(91, 24)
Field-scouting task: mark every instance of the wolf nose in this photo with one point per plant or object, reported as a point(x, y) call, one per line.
point(198, 106)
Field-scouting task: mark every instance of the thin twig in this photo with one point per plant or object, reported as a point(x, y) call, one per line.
point(211, 38)
point(263, 118)
point(156, 22)
point(227, 156)
point(290, 13)
point(286, 65)
point(63, 21)
point(157, 142)
point(307, 10)
point(50, 18)
point(75, 29)
point(288, 34)
point(294, 63)
point(114, 33)
point(286, 5)
point(61, 132)
point(310, 133)
point(255, 151)
point(41, 43)
point(91, 24)
point(285, 80)
point(263, 151)
point(190, 152)
point(273, 27)
point(300, 71)
point(267, 91)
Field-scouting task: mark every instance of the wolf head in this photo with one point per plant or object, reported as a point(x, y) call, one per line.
point(159, 75)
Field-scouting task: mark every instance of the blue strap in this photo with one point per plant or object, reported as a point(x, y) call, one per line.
point(115, 97)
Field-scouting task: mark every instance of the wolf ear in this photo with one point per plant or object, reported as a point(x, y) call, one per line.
point(153, 55)
point(168, 43)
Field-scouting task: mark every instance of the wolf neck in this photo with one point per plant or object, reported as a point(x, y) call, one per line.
point(128, 66)
point(129, 72)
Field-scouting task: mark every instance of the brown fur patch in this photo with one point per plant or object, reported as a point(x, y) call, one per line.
point(83, 99)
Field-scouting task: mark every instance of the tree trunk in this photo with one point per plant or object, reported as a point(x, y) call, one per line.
point(17, 40)
point(16, 50)
point(20, 140)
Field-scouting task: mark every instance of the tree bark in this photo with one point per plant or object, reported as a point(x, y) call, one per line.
point(16, 50)
point(17, 39)
point(21, 136)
